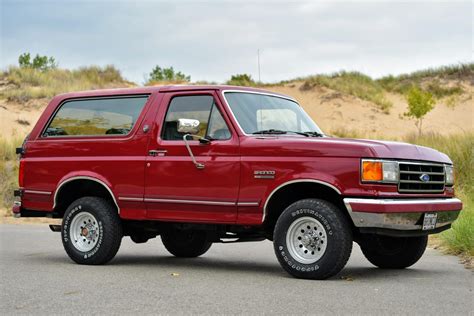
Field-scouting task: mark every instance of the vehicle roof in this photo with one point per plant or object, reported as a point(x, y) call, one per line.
point(164, 88)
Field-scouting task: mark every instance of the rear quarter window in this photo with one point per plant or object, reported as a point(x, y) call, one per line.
point(96, 117)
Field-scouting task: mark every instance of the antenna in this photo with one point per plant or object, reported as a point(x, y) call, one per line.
point(258, 62)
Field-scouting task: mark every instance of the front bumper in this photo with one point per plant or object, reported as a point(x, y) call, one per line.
point(401, 214)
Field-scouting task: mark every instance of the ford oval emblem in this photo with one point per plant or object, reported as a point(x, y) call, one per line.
point(425, 177)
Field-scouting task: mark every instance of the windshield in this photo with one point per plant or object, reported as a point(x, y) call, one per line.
point(259, 113)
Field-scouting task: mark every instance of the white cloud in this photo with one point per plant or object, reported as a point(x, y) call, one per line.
point(212, 40)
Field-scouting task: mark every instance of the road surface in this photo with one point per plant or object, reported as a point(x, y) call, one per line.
point(37, 277)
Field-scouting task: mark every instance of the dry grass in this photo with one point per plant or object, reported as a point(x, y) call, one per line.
point(430, 78)
point(8, 171)
point(24, 84)
point(353, 83)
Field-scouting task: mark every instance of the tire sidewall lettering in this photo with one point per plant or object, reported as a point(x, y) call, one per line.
point(282, 247)
point(65, 232)
point(317, 215)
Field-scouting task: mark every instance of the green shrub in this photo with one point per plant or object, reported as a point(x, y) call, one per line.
point(41, 63)
point(460, 238)
point(419, 104)
point(439, 91)
point(159, 74)
point(241, 80)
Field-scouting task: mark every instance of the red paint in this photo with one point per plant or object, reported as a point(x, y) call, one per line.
point(121, 162)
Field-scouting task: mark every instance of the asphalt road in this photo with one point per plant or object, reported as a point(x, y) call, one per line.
point(38, 277)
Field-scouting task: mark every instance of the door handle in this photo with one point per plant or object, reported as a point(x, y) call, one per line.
point(157, 152)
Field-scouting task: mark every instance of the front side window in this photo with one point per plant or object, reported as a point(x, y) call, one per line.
point(259, 112)
point(96, 117)
point(197, 107)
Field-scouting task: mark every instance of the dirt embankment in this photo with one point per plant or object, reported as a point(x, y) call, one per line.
point(332, 111)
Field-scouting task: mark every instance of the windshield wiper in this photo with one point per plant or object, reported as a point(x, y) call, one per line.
point(314, 134)
point(279, 132)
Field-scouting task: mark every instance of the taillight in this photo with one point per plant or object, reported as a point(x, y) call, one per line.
point(21, 173)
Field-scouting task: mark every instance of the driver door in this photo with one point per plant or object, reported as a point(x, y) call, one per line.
point(175, 189)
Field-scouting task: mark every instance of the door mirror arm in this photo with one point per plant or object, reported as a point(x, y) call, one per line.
point(198, 165)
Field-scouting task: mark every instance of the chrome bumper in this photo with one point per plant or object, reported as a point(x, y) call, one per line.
point(401, 214)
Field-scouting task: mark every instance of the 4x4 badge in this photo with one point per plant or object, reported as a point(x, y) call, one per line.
point(264, 174)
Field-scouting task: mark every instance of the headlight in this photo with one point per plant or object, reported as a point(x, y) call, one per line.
point(379, 171)
point(449, 175)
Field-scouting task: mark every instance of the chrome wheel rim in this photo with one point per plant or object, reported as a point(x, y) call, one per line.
point(84, 231)
point(306, 240)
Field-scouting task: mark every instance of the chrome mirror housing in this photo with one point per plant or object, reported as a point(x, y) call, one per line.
point(188, 126)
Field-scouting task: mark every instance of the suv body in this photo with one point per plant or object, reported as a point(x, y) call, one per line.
point(116, 163)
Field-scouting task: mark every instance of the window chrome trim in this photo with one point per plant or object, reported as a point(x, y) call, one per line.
point(129, 135)
point(85, 178)
point(223, 92)
point(291, 182)
point(37, 192)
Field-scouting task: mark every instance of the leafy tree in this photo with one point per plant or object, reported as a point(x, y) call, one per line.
point(41, 63)
point(24, 60)
point(241, 80)
point(419, 104)
point(167, 74)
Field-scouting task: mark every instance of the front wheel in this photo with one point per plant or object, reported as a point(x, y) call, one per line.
point(91, 231)
point(186, 243)
point(312, 239)
point(393, 252)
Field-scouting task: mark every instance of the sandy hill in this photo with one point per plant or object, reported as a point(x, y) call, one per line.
point(337, 107)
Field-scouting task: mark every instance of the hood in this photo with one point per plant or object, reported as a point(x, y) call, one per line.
point(339, 147)
point(399, 150)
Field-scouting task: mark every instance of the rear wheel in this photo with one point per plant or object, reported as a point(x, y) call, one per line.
point(312, 239)
point(186, 243)
point(393, 252)
point(91, 231)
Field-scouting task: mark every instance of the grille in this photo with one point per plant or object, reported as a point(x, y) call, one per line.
point(410, 178)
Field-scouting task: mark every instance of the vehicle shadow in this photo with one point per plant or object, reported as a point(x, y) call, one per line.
point(216, 265)
point(349, 273)
point(200, 263)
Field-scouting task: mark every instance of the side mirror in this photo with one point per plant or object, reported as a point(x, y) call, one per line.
point(188, 126)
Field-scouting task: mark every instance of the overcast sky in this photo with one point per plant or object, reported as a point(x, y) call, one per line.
point(211, 40)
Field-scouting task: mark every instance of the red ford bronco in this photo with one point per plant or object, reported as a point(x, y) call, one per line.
point(204, 164)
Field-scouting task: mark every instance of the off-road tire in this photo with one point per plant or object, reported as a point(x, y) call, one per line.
point(338, 239)
point(393, 252)
point(109, 235)
point(186, 243)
